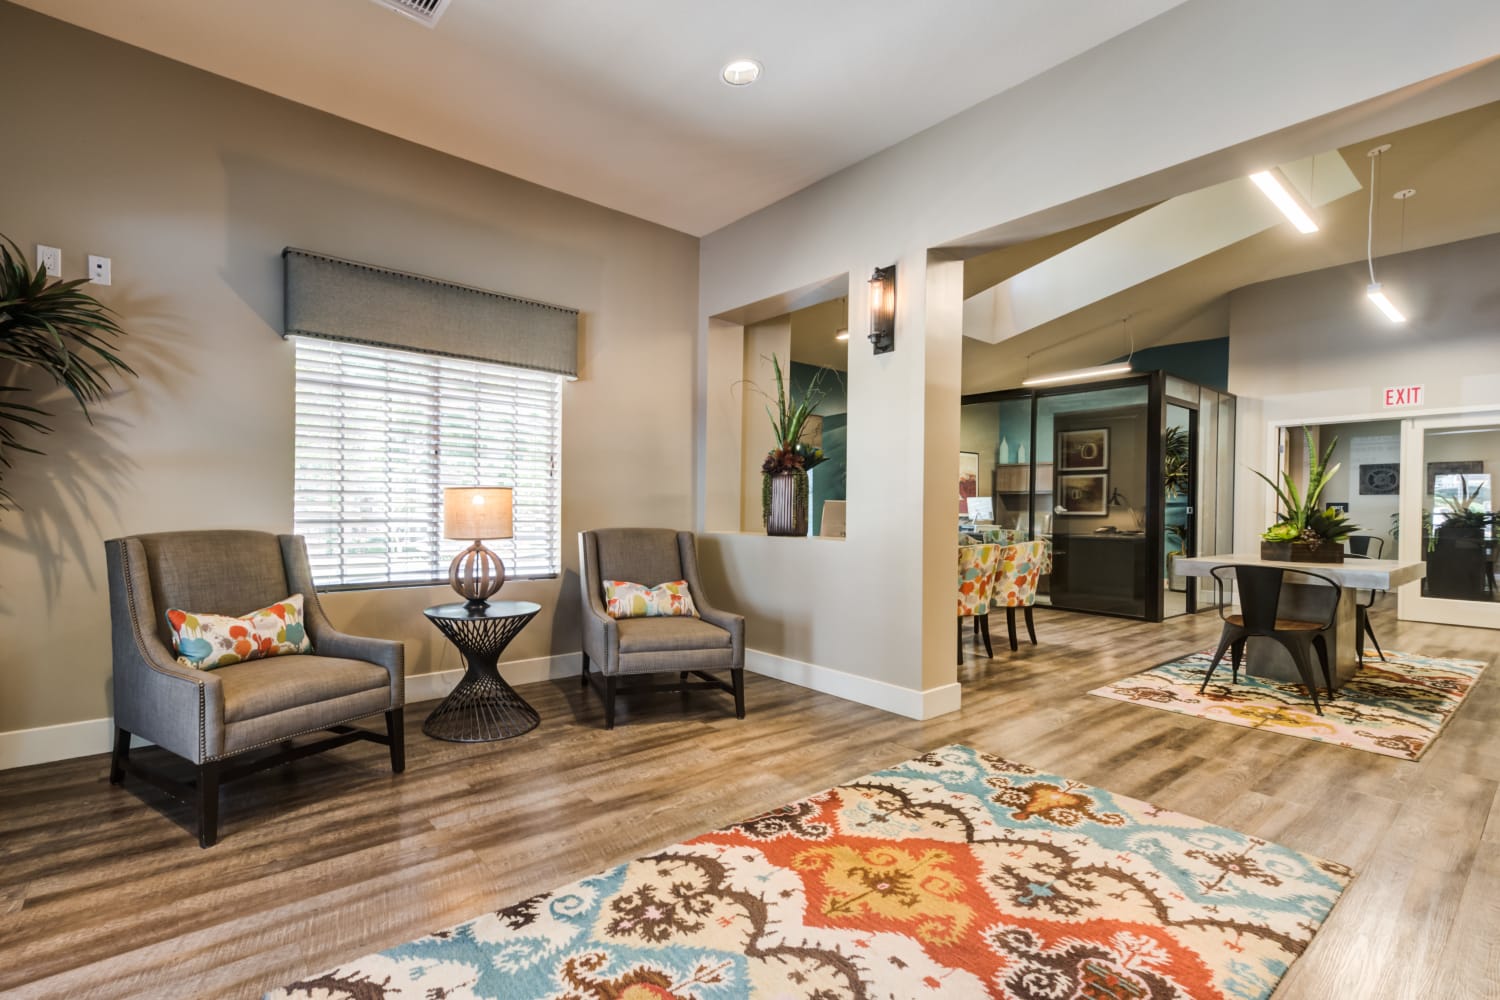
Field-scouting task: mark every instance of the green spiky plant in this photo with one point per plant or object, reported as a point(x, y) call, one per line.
point(57, 329)
point(791, 454)
point(1175, 462)
point(1463, 514)
point(1300, 519)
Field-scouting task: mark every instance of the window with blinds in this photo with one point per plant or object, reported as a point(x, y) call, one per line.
point(380, 432)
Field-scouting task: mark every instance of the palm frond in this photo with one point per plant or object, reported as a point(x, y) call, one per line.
point(57, 329)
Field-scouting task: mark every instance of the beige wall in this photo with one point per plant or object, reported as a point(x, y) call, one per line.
point(193, 184)
point(1312, 349)
point(1057, 151)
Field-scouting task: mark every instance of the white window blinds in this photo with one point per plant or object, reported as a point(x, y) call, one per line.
point(380, 432)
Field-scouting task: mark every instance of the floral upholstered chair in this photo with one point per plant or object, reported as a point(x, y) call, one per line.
point(976, 577)
point(1015, 583)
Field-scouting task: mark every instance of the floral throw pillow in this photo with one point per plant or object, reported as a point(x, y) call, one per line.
point(634, 600)
point(204, 642)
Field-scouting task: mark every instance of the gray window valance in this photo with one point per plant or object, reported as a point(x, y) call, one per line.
point(345, 300)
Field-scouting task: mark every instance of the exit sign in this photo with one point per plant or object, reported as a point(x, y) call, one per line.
point(1404, 395)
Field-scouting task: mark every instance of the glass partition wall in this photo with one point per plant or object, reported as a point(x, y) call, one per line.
point(1109, 473)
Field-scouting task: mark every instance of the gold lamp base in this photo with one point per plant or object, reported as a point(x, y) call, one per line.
point(476, 574)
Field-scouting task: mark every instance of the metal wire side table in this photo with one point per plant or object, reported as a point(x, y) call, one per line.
point(482, 707)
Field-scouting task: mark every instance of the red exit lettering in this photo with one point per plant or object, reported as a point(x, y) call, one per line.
point(1404, 395)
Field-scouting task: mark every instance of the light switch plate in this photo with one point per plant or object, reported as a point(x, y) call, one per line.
point(98, 270)
point(49, 258)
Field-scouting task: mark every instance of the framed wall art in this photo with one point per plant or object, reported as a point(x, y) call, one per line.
point(1083, 451)
point(968, 478)
point(1082, 494)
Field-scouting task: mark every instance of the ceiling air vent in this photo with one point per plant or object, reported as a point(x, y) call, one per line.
point(423, 11)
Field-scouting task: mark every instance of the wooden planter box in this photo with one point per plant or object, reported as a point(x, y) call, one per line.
point(1326, 552)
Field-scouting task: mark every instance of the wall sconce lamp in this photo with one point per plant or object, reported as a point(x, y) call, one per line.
point(883, 309)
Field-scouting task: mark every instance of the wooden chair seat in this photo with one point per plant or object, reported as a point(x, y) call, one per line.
point(1282, 624)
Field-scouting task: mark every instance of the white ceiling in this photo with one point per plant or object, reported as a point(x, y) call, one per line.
point(621, 102)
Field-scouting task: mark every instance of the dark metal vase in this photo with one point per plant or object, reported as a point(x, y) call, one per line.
point(786, 504)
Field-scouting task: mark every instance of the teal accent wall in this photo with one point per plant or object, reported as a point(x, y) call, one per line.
point(827, 481)
point(1203, 361)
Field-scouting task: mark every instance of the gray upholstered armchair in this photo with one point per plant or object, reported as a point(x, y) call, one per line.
point(210, 717)
point(687, 646)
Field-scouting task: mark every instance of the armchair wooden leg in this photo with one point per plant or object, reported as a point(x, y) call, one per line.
point(982, 624)
point(609, 702)
point(1010, 626)
point(208, 804)
point(395, 729)
point(1030, 624)
point(738, 674)
point(118, 758)
point(585, 669)
point(960, 642)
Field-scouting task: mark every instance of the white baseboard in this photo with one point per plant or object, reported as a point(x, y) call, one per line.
point(23, 747)
point(877, 694)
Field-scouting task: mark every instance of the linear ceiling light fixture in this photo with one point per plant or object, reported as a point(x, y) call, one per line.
point(1283, 197)
point(1078, 374)
point(1086, 374)
point(1375, 292)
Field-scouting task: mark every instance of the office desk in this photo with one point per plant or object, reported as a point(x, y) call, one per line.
point(1270, 660)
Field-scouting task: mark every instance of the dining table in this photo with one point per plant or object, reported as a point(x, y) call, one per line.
point(1300, 598)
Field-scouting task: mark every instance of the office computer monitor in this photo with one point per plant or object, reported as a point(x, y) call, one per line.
point(981, 509)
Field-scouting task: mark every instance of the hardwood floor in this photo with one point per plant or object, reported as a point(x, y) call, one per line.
point(102, 894)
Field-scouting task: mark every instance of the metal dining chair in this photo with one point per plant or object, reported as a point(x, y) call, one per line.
point(1362, 626)
point(1260, 589)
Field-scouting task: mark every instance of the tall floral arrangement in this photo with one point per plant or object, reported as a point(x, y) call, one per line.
point(791, 457)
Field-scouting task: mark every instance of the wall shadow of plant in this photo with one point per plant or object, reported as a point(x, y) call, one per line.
point(68, 497)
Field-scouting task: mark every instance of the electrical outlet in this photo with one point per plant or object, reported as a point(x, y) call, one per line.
point(51, 259)
point(98, 270)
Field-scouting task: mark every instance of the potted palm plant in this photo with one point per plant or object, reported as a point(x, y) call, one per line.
point(1305, 532)
point(57, 330)
point(783, 496)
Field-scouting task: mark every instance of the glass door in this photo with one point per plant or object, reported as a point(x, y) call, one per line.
point(1179, 492)
point(1448, 519)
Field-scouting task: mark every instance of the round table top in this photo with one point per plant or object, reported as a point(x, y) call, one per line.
point(494, 609)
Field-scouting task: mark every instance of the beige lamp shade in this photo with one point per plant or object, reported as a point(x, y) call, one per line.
point(476, 512)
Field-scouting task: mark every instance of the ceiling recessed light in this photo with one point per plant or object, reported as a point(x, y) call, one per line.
point(742, 72)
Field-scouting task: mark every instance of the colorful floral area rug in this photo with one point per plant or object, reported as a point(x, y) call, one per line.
point(954, 875)
point(1396, 707)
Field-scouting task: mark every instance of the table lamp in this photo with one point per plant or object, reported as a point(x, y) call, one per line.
point(476, 513)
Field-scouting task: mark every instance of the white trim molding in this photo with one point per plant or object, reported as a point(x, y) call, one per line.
point(44, 744)
point(24, 747)
point(911, 703)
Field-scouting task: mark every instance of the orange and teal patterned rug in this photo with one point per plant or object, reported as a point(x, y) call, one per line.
point(1395, 708)
point(954, 875)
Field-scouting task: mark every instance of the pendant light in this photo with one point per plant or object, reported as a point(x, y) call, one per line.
point(1375, 292)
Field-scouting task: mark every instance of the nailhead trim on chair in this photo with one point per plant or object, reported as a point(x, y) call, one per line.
point(140, 645)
